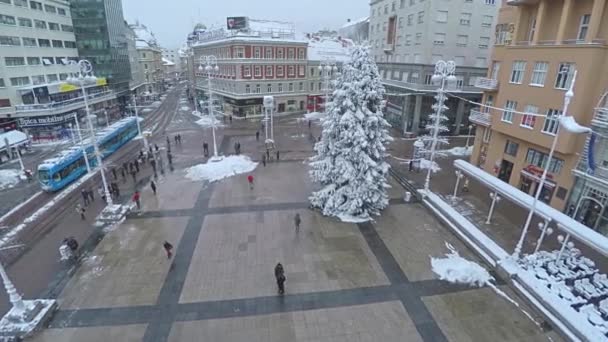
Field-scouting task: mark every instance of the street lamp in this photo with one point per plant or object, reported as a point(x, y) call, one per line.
point(444, 73)
point(327, 70)
point(86, 77)
point(569, 125)
point(138, 124)
point(84, 150)
point(210, 63)
point(468, 136)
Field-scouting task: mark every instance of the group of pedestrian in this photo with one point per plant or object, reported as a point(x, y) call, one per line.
point(178, 139)
point(237, 148)
point(87, 196)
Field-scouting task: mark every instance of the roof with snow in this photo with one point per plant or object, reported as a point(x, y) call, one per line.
point(256, 30)
point(14, 138)
point(167, 62)
point(355, 22)
point(323, 48)
point(144, 38)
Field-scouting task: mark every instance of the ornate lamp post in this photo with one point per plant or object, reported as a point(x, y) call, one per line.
point(327, 70)
point(210, 63)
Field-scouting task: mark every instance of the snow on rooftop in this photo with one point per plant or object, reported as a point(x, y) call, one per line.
point(355, 22)
point(14, 137)
point(322, 48)
point(167, 62)
point(270, 25)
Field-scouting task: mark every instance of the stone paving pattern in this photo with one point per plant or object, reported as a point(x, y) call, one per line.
point(345, 282)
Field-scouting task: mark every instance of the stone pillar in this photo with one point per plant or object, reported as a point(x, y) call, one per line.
point(459, 114)
point(596, 18)
point(540, 16)
point(417, 108)
point(405, 114)
point(563, 20)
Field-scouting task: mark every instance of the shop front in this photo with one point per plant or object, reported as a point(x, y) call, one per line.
point(530, 180)
point(243, 108)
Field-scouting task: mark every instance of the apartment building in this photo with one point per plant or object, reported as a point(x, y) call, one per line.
point(259, 59)
point(409, 36)
point(150, 58)
point(137, 82)
point(538, 47)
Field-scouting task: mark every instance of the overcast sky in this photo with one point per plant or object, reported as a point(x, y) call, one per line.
point(171, 20)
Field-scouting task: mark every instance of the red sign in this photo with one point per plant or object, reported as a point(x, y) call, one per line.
point(535, 170)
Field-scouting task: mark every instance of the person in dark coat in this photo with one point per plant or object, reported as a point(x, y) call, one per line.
point(153, 186)
point(278, 155)
point(279, 274)
point(264, 160)
point(168, 249)
point(85, 197)
point(257, 136)
point(114, 173)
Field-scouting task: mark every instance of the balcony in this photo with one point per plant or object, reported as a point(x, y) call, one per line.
point(486, 83)
point(4, 111)
point(62, 107)
point(480, 118)
point(600, 119)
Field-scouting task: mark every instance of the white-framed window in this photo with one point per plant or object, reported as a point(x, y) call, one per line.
point(528, 121)
point(465, 18)
point(517, 72)
point(462, 40)
point(268, 53)
point(20, 3)
point(417, 59)
point(291, 71)
point(290, 87)
point(280, 53)
point(38, 79)
point(412, 2)
point(583, 26)
point(280, 86)
point(258, 89)
point(247, 89)
point(410, 19)
point(420, 17)
point(269, 71)
point(401, 3)
point(247, 71)
point(487, 134)
point(33, 60)
point(14, 61)
point(551, 121)
point(490, 2)
point(301, 54)
point(418, 38)
point(291, 54)
point(257, 52)
point(442, 17)
point(239, 52)
point(301, 86)
point(11, 41)
point(495, 70)
point(52, 78)
point(531, 29)
point(269, 88)
point(539, 73)
point(25, 22)
point(312, 86)
point(257, 71)
point(408, 39)
point(20, 81)
point(565, 73)
point(428, 79)
point(484, 42)
point(486, 21)
point(280, 71)
point(401, 22)
point(439, 39)
point(511, 148)
point(507, 114)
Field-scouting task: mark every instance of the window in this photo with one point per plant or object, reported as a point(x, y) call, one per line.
point(29, 41)
point(291, 54)
point(439, 39)
point(61, 11)
point(528, 121)
point(401, 22)
point(480, 62)
point(490, 2)
point(280, 71)
point(239, 52)
point(268, 53)
point(9, 41)
point(258, 89)
point(312, 86)
point(301, 86)
point(14, 61)
point(462, 40)
point(280, 53)
point(36, 5)
point(320, 86)
point(69, 44)
point(39, 79)
point(408, 39)
point(52, 78)
point(517, 73)
point(511, 148)
point(486, 21)
point(442, 16)
point(393, 6)
point(412, 2)
point(386, 9)
point(280, 87)
point(257, 53)
point(507, 114)
point(502, 34)
point(20, 3)
point(418, 38)
point(532, 29)
point(247, 71)
point(2, 85)
point(47, 60)
point(20, 81)
point(583, 26)
point(257, 71)
point(7, 20)
point(402, 4)
point(301, 54)
point(539, 73)
point(301, 71)
point(54, 26)
point(40, 24)
point(291, 70)
point(465, 18)
point(539, 159)
point(428, 79)
point(290, 87)
point(50, 9)
point(25, 22)
point(484, 42)
point(57, 43)
point(410, 19)
point(487, 135)
point(551, 123)
point(420, 17)
point(269, 71)
point(67, 28)
point(565, 73)
point(33, 61)
point(63, 77)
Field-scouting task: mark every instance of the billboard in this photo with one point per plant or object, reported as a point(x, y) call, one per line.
point(236, 23)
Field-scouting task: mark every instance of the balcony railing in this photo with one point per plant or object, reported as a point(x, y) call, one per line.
point(486, 83)
point(7, 110)
point(600, 119)
point(522, 2)
point(430, 87)
point(480, 118)
point(61, 107)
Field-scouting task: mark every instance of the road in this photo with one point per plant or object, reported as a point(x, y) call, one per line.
point(38, 264)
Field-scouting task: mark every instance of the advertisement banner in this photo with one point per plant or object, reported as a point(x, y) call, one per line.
point(48, 120)
point(236, 23)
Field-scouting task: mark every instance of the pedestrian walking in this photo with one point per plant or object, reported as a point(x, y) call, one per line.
point(297, 220)
point(175, 138)
point(168, 141)
point(411, 165)
point(102, 194)
point(250, 180)
point(264, 160)
point(153, 186)
point(80, 210)
point(150, 150)
point(230, 117)
point(170, 158)
point(91, 195)
point(123, 174)
point(179, 139)
point(238, 145)
point(309, 124)
point(279, 274)
point(268, 154)
point(114, 173)
point(85, 197)
point(278, 155)
point(205, 149)
point(156, 147)
point(136, 199)
point(134, 175)
point(257, 136)
point(136, 164)
point(168, 249)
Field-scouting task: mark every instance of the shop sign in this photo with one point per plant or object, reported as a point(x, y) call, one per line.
point(48, 120)
point(537, 171)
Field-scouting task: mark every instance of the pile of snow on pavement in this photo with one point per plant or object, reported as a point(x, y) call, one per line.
point(207, 121)
point(314, 116)
point(9, 178)
point(456, 269)
point(426, 164)
point(459, 151)
point(216, 170)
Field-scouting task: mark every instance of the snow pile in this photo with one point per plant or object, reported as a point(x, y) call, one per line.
point(458, 270)
point(216, 170)
point(352, 219)
point(207, 121)
point(426, 164)
point(146, 110)
point(156, 104)
point(459, 151)
point(314, 116)
point(9, 178)
point(184, 108)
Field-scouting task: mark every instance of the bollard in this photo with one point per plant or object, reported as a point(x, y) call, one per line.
point(408, 196)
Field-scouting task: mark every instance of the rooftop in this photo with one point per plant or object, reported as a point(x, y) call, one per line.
point(322, 48)
point(255, 30)
point(355, 22)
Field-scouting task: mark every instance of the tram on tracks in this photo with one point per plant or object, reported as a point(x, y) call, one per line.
point(67, 166)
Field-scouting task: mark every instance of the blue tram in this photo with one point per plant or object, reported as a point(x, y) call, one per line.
point(67, 166)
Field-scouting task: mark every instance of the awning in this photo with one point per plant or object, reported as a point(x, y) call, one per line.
point(548, 183)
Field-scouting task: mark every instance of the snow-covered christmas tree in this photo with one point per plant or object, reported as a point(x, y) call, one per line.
point(349, 163)
point(438, 107)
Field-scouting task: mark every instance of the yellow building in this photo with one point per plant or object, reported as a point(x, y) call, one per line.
point(538, 46)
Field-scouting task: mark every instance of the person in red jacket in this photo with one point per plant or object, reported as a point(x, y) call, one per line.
point(136, 199)
point(250, 180)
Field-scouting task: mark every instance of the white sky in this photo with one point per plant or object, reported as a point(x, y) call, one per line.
point(172, 20)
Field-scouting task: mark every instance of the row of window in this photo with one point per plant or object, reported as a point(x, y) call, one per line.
point(39, 24)
point(268, 71)
point(528, 121)
point(536, 158)
point(259, 52)
point(402, 4)
point(269, 88)
point(33, 42)
point(20, 61)
point(563, 79)
point(35, 80)
point(35, 5)
point(462, 40)
point(442, 17)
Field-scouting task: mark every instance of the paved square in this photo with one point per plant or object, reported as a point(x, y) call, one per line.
point(174, 191)
point(384, 322)
point(236, 254)
point(127, 268)
point(125, 333)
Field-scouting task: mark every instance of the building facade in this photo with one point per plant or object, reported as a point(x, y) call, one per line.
point(37, 43)
point(102, 39)
point(255, 62)
point(538, 48)
point(355, 30)
point(150, 58)
point(137, 82)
